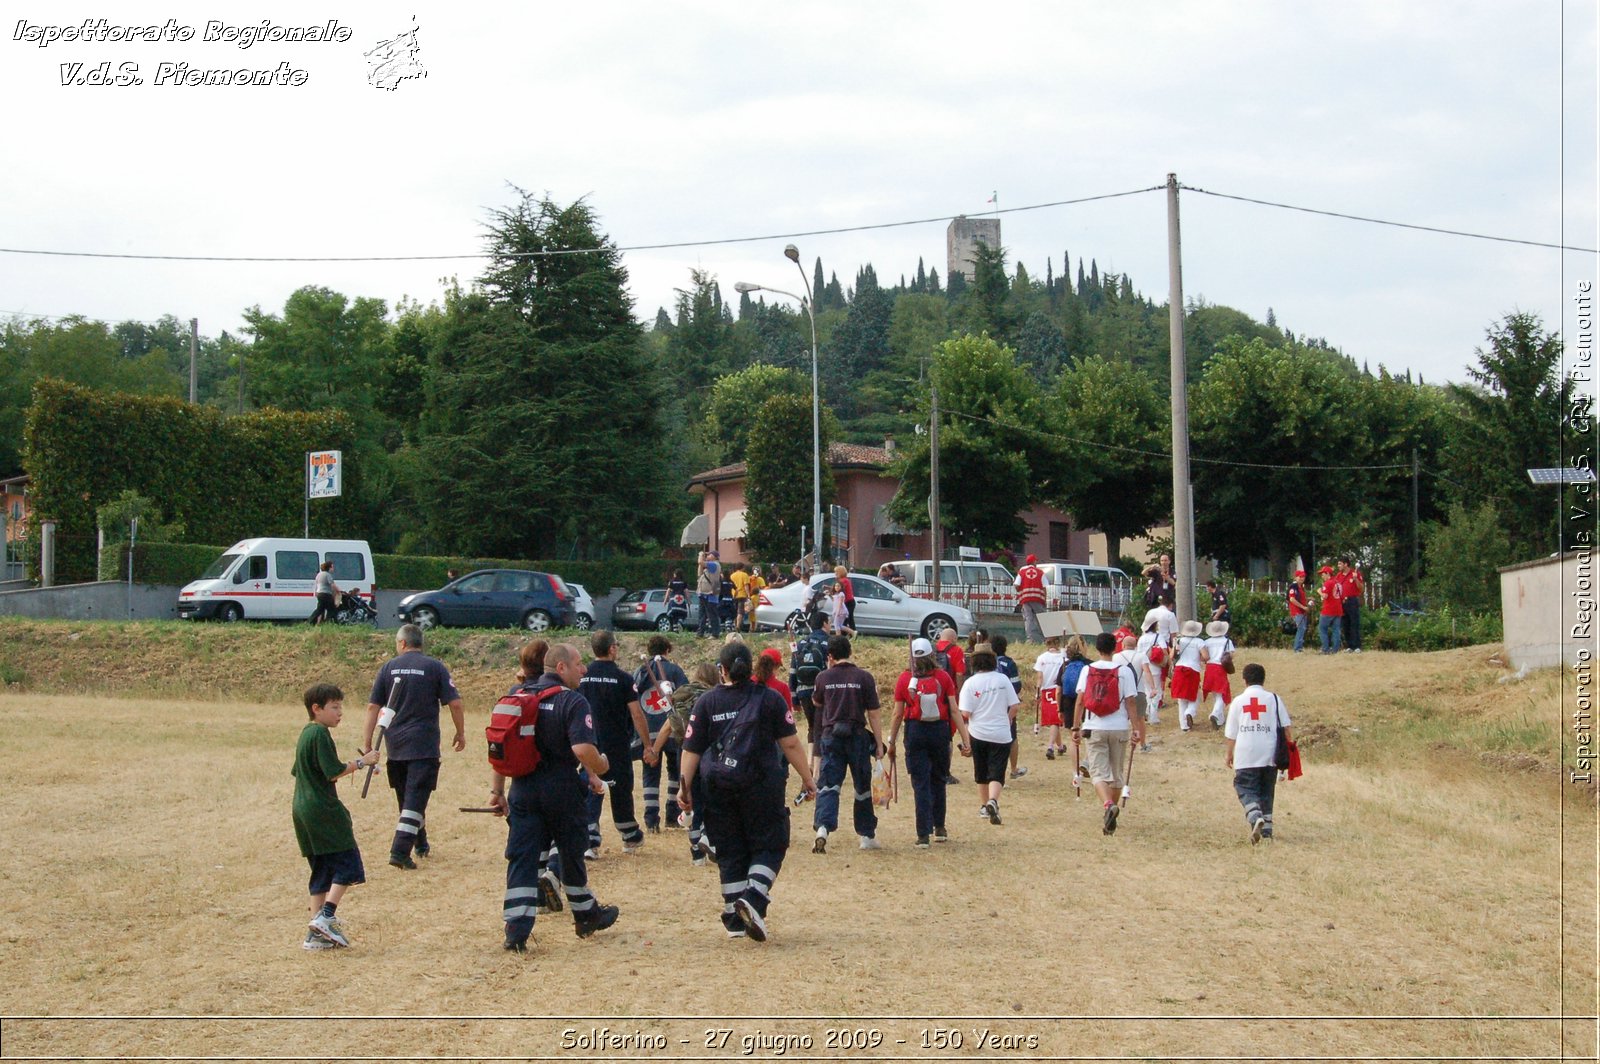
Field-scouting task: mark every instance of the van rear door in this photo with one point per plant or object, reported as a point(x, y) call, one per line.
point(350, 572)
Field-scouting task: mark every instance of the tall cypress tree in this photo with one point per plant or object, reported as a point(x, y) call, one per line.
point(818, 282)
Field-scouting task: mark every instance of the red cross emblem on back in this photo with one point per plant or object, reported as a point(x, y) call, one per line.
point(1255, 707)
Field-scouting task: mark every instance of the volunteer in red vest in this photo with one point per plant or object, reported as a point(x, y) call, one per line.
point(1354, 586)
point(549, 805)
point(1298, 605)
point(1030, 583)
point(1186, 668)
point(924, 697)
point(1107, 706)
point(1331, 624)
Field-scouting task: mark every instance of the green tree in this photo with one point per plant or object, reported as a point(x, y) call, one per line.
point(324, 351)
point(777, 494)
point(737, 399)
point(1464, 554)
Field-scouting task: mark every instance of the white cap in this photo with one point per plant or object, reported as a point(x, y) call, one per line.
point(921, 648)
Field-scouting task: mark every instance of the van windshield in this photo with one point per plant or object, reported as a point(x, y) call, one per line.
point(220, 566)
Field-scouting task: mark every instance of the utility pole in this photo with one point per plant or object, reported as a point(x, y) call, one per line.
point(194, 369)
point(933, 491)
point(1182, 499)
point(1416, 528)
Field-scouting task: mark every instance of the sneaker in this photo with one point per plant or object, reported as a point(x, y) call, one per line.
point(1267, 834)
point(549, 892)
point(423, 849)
point(1257, 830)
point(327, 927)
point(514, 945)
point(1144, 748)
point(754, 925)
point(1188, 721)
point(870, 843)
point(1049, 753)
point(597, 919)
point(1109, 825)
point(652, 829)
point(1019, 772)
point(1216, 725)
point(315, 941)
point(1036, 729)
point(706, 847)
point(1357, 650)
point(698, 861)
point(821, 843)
point(402, 860)
point(923, 842)
point(941, 835)
point(951, 781)
point(591, 854)
point(631, 848)
point(736, 932)
point(991, 809)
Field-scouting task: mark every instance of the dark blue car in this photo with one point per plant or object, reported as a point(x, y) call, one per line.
point(494, 598)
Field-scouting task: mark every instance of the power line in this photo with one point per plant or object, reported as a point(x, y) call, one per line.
point(554, 252)
point(1383, 221)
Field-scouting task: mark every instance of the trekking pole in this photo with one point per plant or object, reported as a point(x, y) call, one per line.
point(385, 717)
point(1128, 775)
point(1077, 769)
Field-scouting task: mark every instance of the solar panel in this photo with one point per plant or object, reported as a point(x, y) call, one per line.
point(1561, 475)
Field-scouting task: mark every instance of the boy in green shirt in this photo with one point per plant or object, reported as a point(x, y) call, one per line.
point(321, 822)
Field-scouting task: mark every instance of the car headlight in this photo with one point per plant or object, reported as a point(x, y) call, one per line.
point(406, 601)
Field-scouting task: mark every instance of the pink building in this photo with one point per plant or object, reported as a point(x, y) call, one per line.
point(864, 488)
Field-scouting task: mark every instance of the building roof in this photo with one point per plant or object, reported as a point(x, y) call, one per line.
point(840, 456)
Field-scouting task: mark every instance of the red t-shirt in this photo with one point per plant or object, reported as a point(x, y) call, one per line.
point(1332, 597)
point(844, 586)
point(1297, 600)
point(958, 657)
point(783, 689)
point(937, 683)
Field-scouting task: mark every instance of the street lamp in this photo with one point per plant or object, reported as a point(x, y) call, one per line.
point(792, 253)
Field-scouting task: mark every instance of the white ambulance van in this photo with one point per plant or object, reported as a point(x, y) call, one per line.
point(1100, 588)
point(272, 579)
point(982, 587)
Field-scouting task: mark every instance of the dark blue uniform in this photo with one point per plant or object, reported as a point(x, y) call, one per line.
point(803, 683)
point(749, 826)
point(547, 808)
point(608, 691)
point(645, 687)
point(413, 740)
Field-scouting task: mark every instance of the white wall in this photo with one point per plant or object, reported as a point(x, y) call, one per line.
point(1549, 610)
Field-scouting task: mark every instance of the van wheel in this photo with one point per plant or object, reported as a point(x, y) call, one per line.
point(425, 617)
point(536, 621)
point(230, 612)
point(936, 623)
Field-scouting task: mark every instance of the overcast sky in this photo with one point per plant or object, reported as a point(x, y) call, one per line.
point(699, 121)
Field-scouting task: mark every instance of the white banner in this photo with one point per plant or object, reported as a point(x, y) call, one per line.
point(324, 478)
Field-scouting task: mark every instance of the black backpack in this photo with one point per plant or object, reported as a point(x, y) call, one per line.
point(810, 658)
point(732, 761)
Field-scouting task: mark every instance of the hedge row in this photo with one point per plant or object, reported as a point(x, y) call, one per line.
point(179, 563)
point(223, 477)
point(1257, 617)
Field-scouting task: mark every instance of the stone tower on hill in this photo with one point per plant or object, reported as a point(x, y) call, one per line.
point(961, 242)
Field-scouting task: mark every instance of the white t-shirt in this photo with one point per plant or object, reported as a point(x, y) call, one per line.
point(986, 701)
point(1048, 666)
point(1141, 668)
point(1166, 624)
point(323, 584)
point(1253, 725)
point(1217, 646)
point(1127, 687)
point(1187, 650)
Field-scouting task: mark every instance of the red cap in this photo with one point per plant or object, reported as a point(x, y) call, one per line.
point(1032, 558)
point(1326, 569)
point(1299, 573)
point(774, 653)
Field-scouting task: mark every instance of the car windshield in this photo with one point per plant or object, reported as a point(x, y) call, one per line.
point(632, 596)
point(220, 566)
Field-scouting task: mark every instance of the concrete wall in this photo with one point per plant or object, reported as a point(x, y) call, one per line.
point(1549, 611)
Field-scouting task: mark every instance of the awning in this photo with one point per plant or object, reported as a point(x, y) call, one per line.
point(732, 526)
point(884, 525)
point(695, 532)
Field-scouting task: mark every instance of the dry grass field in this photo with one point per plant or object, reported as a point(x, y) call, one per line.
point(1432, 893)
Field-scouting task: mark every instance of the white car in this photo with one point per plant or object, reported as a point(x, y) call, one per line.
point(583, 608)
point(881, 609)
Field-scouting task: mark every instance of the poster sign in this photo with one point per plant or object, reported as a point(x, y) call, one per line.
point(324, 478)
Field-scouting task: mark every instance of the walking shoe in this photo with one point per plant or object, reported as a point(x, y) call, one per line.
point(423, 849)
point(549, 892)
point(941, 835)
point(1215, 724)
point(923, 842)
point(1109, 827)
point(1049, 753)
point(1188, 721)
point(1036, 729)
point(1144, 748)
point(591, 854)
point(328, 927)
point(991, 809)
point(870, 843)
point(652, 829)
point(950, 781)
point(1357, 650)
point(1019, 772)
point(821, 843)
point(631, 848)
point(514, 945)
point(402, 860)
point(315, 941)
point(735, 932)
point(597, 919)
point(698, 861)
point(1267, 834)
point(1257, 830)
point(754, 925)
point(706, 847)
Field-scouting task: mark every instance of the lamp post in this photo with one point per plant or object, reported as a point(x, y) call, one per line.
point(793, 254)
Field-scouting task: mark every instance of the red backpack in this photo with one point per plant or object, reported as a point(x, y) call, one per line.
point(1102, 693)
point(512, 723)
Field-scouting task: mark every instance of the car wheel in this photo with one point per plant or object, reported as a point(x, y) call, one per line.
point(536, 621)
point(664, 623)
point(795, 623)
point(583, 622)
point(229, 612)
point(934, 624)
point(425, 617)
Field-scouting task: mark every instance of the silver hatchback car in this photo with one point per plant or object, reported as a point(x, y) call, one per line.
point(647, 610)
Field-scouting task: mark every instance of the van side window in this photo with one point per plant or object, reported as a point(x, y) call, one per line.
point(297, 564)
point(256, 567)
point(347, 565)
